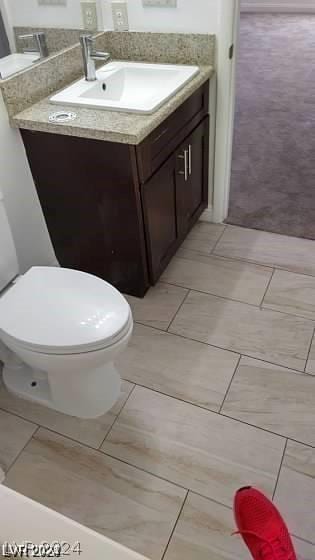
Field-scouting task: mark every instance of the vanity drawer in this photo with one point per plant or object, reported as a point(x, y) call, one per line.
point(156, 148)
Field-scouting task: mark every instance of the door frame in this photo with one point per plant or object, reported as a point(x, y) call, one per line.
point(228, 33)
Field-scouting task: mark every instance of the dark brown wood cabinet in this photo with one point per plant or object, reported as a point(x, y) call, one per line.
point(174, 198)
point(159, 208)
point(192, 169)
point(121, 211)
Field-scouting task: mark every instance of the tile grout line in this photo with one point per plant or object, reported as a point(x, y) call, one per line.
point(175, 525)
point(187, 338)
point(309, 352)
point(178, 310)
point(178, 255)
point(291, 369)
point(256, 306)
point(219, 239)
point(161, 392)
point(20, 452)
point(141, 469)
point(224, 415)
point(211, 411)
point(230, 508)
point(53, 431)
point(277, 434)
point(230, 384)
point(233, 259)
point(280, 468)
point(276, 267)
point(303, 540)
point(188, 490)
point(67, 436)
point(218, 257)
point(102, 453)
point(268, 286)
point(115, 419)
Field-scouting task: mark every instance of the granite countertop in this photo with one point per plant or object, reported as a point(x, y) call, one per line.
point(98, 124)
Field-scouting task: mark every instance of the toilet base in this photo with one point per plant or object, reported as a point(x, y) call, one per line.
point(24, 383)
point(87, 394)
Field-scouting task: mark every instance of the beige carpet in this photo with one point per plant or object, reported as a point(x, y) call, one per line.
point(273, 170)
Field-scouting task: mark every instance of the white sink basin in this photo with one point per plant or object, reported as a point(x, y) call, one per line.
point(128, 86)
point(16, 62)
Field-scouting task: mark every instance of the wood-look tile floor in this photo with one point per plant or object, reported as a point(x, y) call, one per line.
point(218, 392)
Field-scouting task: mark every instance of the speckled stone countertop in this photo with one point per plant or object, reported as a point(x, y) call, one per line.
point(113, 126)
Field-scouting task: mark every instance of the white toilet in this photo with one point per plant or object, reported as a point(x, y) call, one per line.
point(60, 332)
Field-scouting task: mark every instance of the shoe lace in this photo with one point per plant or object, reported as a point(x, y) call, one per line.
point(270, 549)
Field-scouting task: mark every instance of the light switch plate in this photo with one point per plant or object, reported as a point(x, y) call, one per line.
point(89, 15)
point(52, 2)
point(160, 3)
point(120, 16)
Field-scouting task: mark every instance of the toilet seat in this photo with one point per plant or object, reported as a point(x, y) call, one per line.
point(55, 310)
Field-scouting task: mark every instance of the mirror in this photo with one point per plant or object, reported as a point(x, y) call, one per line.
point(35, 29)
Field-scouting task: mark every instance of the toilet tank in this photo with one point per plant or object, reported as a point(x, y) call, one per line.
point(8, 259)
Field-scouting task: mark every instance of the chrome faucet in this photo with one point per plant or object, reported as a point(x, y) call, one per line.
point(90, 54)
point(39, 39)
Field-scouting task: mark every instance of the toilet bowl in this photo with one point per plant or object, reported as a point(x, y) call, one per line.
point(60, 332)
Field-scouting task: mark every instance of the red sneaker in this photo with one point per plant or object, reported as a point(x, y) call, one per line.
point(261, 526)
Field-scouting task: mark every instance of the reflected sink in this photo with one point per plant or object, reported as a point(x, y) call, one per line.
point(128, 86)
point(16, 62)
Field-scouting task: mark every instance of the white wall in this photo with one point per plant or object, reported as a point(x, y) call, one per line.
point(200, 16)
point(21, 202)
point(190, 16)
point(29, 13)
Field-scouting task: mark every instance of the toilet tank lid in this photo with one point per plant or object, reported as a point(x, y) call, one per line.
point(52, 307)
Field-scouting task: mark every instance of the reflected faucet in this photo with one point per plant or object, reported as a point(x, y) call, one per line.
point(90, 54)
point(39, 39)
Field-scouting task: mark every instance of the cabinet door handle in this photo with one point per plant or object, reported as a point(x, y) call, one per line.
point(189, 160)
point(185, 158)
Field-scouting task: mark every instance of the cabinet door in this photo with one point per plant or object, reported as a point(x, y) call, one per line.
point(159, 206)
point(192, 168)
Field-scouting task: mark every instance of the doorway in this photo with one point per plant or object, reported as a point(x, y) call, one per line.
point(273, 165)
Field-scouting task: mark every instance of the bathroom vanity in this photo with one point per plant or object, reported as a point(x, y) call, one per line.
point(120, 210)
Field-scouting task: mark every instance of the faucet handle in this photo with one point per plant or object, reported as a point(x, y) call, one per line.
point(99, 55)
point(32, 35)
point(26, 36)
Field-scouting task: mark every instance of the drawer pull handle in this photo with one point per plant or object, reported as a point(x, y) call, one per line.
point(189, 160)
point(185, 158)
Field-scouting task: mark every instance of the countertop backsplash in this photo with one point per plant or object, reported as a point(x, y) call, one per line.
point(172, 48)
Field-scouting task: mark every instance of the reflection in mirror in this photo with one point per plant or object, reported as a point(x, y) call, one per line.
point(5, 51)
point(23, 42)
point(4, 41)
